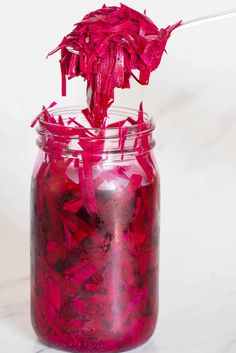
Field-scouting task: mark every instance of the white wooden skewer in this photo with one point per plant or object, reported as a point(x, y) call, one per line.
point(205, 19)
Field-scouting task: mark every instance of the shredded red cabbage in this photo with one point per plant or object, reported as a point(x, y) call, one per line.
point(105, 48)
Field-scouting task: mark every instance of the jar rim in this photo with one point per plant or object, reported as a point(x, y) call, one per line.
point(147, 126)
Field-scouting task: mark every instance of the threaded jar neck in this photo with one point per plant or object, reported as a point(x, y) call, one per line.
point(126, 131)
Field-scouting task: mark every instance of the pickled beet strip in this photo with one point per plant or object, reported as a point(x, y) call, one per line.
point(119, 172)
point(88, 116)
point(145, 164)
point(82, 183)
point(85, 132)
point(60, 130)
point(79, 235)
point(51, 246)
point(142, 127)
point(79, 277)
point(122, 139)
point(88, 185)
point(47, 116)
point(133, 185)
point(122, 123)
point(51, 208)
point(60, 120)
point(64, 62)
point(73, 206)
point(140, 121)
point(140, 114)
point(68, 237)
point(75, 269)
point(46, 268)
point(138, 207)
point(73, 66)
point(131, 121)
point(134, 182)
point(68, 222)
point(92, 287)
point(53, 293)
point(48, 317)
point(44, 110)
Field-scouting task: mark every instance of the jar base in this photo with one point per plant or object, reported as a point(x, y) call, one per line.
point(97, 347)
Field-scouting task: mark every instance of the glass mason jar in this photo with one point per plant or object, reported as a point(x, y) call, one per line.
point(95, 234)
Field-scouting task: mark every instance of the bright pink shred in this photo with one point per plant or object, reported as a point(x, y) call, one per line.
point(73, 206)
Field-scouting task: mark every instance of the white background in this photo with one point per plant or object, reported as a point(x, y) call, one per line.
point(192, 97)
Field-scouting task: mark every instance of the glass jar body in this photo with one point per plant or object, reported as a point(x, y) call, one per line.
point(94, 250)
